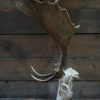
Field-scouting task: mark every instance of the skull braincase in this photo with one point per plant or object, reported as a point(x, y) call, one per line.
point(65, 84)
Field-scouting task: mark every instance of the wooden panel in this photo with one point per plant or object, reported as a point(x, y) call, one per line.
point(83, 46)
point(19, 52)
point(27, 90)
point(88, 20)
point(19, 68)
point(88, 90)
point(18, 23)
point(63, 3)
point(15, 22)
point(82, 90)
point(90, 3)
point(80, 4)
point(33, 46)
point(23, 46)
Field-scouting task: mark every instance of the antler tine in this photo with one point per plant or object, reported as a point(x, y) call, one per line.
point(50, 75)
point(63, 9)
point(40, 75)
point(77, 26)
point(38, 1)
point(43, 80)
point(55, 2)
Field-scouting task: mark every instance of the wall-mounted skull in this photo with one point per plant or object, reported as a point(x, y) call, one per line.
point(65, 84)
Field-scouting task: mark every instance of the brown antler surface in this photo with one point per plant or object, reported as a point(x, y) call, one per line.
point(57, 22)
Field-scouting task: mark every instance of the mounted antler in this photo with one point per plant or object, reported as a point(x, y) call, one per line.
point(66, 84)
point(58, 23)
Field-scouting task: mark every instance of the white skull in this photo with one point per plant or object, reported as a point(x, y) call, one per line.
point(65, 84)
point(71, 73)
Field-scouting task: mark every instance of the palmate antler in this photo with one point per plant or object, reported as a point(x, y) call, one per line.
point(58, 23)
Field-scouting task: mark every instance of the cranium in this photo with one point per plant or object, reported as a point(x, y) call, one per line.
point(65, 84)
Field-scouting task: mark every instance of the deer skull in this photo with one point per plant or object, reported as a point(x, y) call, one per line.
point(65, 84)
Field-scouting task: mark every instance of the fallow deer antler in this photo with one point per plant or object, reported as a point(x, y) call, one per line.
point(59, 25)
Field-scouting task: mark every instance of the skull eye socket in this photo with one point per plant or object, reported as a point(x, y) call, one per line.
point(64, 88)
point(66, 82)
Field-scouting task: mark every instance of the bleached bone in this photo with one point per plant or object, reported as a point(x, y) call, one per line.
point(55, 2)
point(40, 75)
point(65, 84)
point(38, 1)
point(43, 80)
